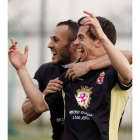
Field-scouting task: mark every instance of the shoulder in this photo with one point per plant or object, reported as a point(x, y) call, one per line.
point(47, 66)
point(114, 77)
point(46, 72)
point(48, 69)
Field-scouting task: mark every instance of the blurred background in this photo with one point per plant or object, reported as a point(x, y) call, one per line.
point(31, 23)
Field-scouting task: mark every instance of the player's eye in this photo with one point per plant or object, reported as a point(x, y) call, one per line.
point(80, 37)
point(56, 40)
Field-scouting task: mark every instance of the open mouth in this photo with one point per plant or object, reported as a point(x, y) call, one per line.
point(54, 53)
point(81, 49)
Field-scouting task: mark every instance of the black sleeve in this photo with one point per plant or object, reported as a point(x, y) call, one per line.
point(39, 77)
point(124, 86)
point(114, 76)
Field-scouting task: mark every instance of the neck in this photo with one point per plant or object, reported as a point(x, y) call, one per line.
point(75, 57)
point(68, 65)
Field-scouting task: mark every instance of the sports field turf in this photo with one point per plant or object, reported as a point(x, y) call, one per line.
point(43, 132)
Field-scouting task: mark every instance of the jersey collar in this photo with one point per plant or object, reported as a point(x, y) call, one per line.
point(68, 65)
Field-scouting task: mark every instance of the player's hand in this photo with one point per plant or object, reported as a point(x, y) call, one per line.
point(93, 22)
point(16, 57)
point(77, 70)
point(53, 86)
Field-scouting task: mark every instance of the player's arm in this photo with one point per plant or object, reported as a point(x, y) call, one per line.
point(32, 92)
point(119, 62)
point(104, 61)
point(82, 68)
point(29, 113)
point(18, 60)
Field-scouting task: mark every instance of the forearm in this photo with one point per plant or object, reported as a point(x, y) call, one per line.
point(119, 62)
point(99, 63)
point(104, 61)
point(128, 55)
point(32, 92)
point(29, 113)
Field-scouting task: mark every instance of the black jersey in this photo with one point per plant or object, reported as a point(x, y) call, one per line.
point(44, 74)
point(94, 105)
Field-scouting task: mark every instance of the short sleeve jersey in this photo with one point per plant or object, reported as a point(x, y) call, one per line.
point(44, 74)
point(94, 105)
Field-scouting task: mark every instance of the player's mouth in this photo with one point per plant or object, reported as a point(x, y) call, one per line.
point(54, 54)
point(81, 49)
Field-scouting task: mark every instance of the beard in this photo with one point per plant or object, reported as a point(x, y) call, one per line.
point(64, 56)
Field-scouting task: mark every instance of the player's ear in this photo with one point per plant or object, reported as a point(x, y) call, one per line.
point(98, 44)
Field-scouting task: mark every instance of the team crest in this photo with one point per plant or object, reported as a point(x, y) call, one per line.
point(83, 96)
point(100, 79)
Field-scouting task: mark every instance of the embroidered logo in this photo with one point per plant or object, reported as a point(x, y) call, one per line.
point(83, 96)
point(100, 79)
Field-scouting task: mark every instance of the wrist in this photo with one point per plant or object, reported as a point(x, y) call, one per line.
point(104, 38)
point(21, 69)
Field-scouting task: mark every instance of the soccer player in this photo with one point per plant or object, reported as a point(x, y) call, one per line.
point(95, 102)
point(64, 53)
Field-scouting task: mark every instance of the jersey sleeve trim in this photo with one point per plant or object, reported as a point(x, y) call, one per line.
point(124, 86)
point(63, 95)
point(43, 96)
point(26, 100)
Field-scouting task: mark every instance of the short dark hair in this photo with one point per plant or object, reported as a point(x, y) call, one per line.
point(73, 29)
point(107, 27)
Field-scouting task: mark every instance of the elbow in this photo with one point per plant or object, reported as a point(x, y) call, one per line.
point(26, 120)
point(25, 116)
point(127, 76)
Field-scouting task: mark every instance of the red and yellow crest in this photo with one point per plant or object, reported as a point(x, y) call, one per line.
point(100, 79)
point(83, 96)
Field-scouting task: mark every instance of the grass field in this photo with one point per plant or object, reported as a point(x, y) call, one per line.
point(33, 131)
point(44, 132)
